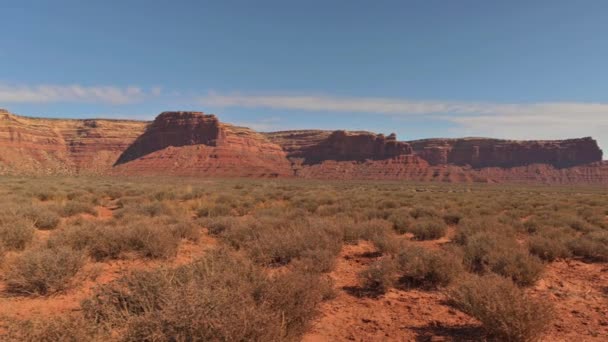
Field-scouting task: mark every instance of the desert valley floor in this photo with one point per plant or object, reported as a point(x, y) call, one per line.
point(187, 259)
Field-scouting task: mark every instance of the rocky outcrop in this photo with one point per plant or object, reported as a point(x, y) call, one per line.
point(54, 146)
point(196, 144)
point(481, 152)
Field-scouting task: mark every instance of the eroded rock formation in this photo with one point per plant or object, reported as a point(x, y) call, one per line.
point(481, 152)
point(193, 143)
point(196, 144)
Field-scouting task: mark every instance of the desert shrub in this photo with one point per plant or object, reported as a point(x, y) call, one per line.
point(42, 218)
point(101, 241)
point(2, 254)
point(72, 208)
point(452, 218)
point(43, 271)
point(276, 241)
point(469, 227)
point(16, 233)
point(197, 302)
point(213, 210)
point(551, 244)
point(428, 229)
point(505, 311)
point(421, 267)
point(420, 212)
point(401, 220)
point(45, 195)
point(592, 246)
point(489, 252)
point(66, 329)
point(154, 209)
point(379, 277)
point(151, 240)
point(186, 230)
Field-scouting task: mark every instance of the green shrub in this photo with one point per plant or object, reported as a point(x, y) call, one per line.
point(16, 233)
point(99, 241)
point(505, 311)
point(43, 271)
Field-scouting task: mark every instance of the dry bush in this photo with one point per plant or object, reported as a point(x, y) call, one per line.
point(65, 329)
point(428, 229)
point(72, 208)
point(2, 255)
point(421, 267)
point(43, 218)
point(186, 230)
point(470, 226)
point(592, 246)
point(197, 302)
point(505, 311)
point(452, 218)
point(105, 241)
point(16, 233)
point(213, 210)
point(44, 271)
point(379, 277)
point(401, 220)
point(501, 254)
point(551, 244)
point(424, 212)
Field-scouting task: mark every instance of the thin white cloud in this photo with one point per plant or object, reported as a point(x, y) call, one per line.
point(543, 120)
point(72, 93)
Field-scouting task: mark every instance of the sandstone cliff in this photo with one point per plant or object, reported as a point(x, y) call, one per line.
point(481, 152)
point(196, 144)
point(192, 143)
point(54, 146)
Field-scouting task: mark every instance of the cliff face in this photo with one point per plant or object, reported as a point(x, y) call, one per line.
point(196, 144)
point(50, 146)
point(479, 152)
point(192, 143)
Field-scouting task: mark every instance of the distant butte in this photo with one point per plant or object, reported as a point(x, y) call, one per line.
point(197, 144)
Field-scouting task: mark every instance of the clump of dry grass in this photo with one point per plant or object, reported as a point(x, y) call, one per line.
point(197, 302)
point(505, 311)
point(428, 229)
point(42, 217)
point(43, 271)
point(592, 246)
point(490, 252)
point(71, 328)
point(110, 241)
point(420, 267)
point(15, 232)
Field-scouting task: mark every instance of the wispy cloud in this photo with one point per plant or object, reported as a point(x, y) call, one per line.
point(542, 120)
point(73, 93)
point(396, 106)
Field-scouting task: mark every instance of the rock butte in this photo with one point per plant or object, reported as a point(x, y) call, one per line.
point(197, 144)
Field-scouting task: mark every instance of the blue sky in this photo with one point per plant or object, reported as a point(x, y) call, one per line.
point(512, 69)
